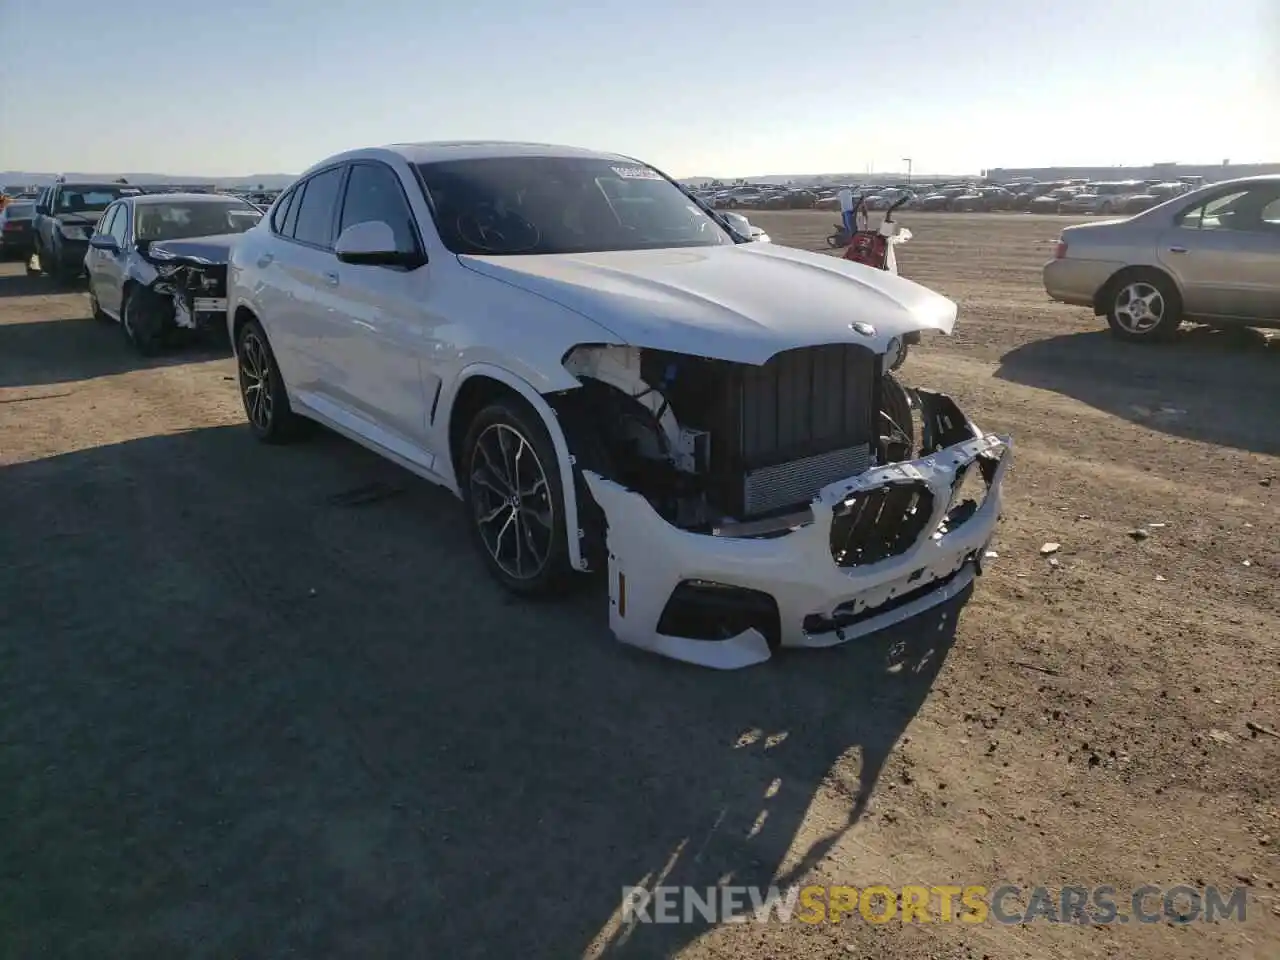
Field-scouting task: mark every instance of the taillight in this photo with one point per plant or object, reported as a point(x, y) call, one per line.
point(1060, 250)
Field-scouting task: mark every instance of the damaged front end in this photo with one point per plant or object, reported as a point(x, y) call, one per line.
point(186, 284)
point(804, 502)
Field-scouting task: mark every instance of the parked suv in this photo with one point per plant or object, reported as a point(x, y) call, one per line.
point(609, 376)
point(66, 215)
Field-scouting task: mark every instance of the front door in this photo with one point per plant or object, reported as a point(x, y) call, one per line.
point(111, 265)
point(381, 333)
point(96, 257)
point(1225, 254)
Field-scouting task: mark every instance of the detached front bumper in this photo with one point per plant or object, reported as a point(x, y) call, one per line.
point(727, 601)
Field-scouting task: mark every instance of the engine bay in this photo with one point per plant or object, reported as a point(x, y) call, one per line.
point(711, 443)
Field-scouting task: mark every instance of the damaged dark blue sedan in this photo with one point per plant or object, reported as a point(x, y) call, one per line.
point(157, 264)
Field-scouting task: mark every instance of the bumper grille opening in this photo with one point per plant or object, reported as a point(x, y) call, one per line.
point(705, 610)
point(876, 524)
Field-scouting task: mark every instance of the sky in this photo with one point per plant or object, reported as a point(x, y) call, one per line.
point(695, 87)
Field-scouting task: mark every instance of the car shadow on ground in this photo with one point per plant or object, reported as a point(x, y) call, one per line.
point(1213, 386)
point(46, 352)
point(29, 285)
point(264, 700)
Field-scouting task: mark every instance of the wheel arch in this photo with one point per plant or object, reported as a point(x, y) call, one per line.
point(479, 385)
point(1102, 296)
point(239, 320)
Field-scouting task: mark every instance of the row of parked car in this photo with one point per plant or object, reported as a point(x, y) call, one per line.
point(1056, 196)
point(51, 226)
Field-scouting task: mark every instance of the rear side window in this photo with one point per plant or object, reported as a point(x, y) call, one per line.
point(314, 222)
point(291, 216)
point(281, 215)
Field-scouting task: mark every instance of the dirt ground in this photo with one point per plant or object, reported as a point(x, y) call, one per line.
point(247, 710)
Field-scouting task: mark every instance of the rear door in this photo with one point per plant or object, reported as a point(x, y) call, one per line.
point(1225, 253)
point(298, 270)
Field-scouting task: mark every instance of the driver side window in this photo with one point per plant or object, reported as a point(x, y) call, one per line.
point(104, 225)
point(374, 193)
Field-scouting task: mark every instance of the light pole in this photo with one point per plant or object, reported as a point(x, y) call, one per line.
point(907, 160)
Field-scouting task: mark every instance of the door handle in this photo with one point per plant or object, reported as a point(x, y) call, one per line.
point(331, 278)
point(1177, 249)
point(265, 260)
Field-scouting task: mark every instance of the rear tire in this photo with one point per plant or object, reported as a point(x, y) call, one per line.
point(514, 497)
point(1143, 306)
point(262, 390)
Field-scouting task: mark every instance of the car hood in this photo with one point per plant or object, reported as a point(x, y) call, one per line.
point(742, 303)
point(215, 249)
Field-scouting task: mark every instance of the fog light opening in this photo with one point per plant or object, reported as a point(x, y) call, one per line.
point(706, 610)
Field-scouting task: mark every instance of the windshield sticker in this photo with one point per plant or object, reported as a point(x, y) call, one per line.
point(637, 173)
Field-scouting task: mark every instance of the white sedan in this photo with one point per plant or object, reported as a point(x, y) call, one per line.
point(611, 376)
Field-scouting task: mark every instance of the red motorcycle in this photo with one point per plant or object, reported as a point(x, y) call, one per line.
point(874, 248)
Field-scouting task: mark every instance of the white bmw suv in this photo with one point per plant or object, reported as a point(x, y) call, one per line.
point(610, 375)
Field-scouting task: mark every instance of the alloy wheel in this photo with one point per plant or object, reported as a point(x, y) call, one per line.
point(1139, 307)
point(255, 381)
point(511, 500)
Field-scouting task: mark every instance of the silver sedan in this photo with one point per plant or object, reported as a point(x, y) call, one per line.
point(1210, 256)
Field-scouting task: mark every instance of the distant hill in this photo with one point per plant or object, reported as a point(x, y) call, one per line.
point(266, 181)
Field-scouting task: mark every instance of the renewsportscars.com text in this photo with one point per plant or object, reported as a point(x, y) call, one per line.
point(945, 903)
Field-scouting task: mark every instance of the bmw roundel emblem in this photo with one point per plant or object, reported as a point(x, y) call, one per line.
point(866, 329)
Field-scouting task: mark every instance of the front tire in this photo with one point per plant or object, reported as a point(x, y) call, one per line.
point(514, 497)
point(96, 308)
point(140, 322)
point(1143, 306)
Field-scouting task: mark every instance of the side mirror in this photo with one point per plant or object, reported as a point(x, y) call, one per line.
point(104, 241)
point(373, 243)
point(738, 223)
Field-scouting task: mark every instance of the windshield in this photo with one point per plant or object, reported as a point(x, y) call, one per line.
point(16, 211)
point(200, 218)
point(91, 199)
point(549, 205)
